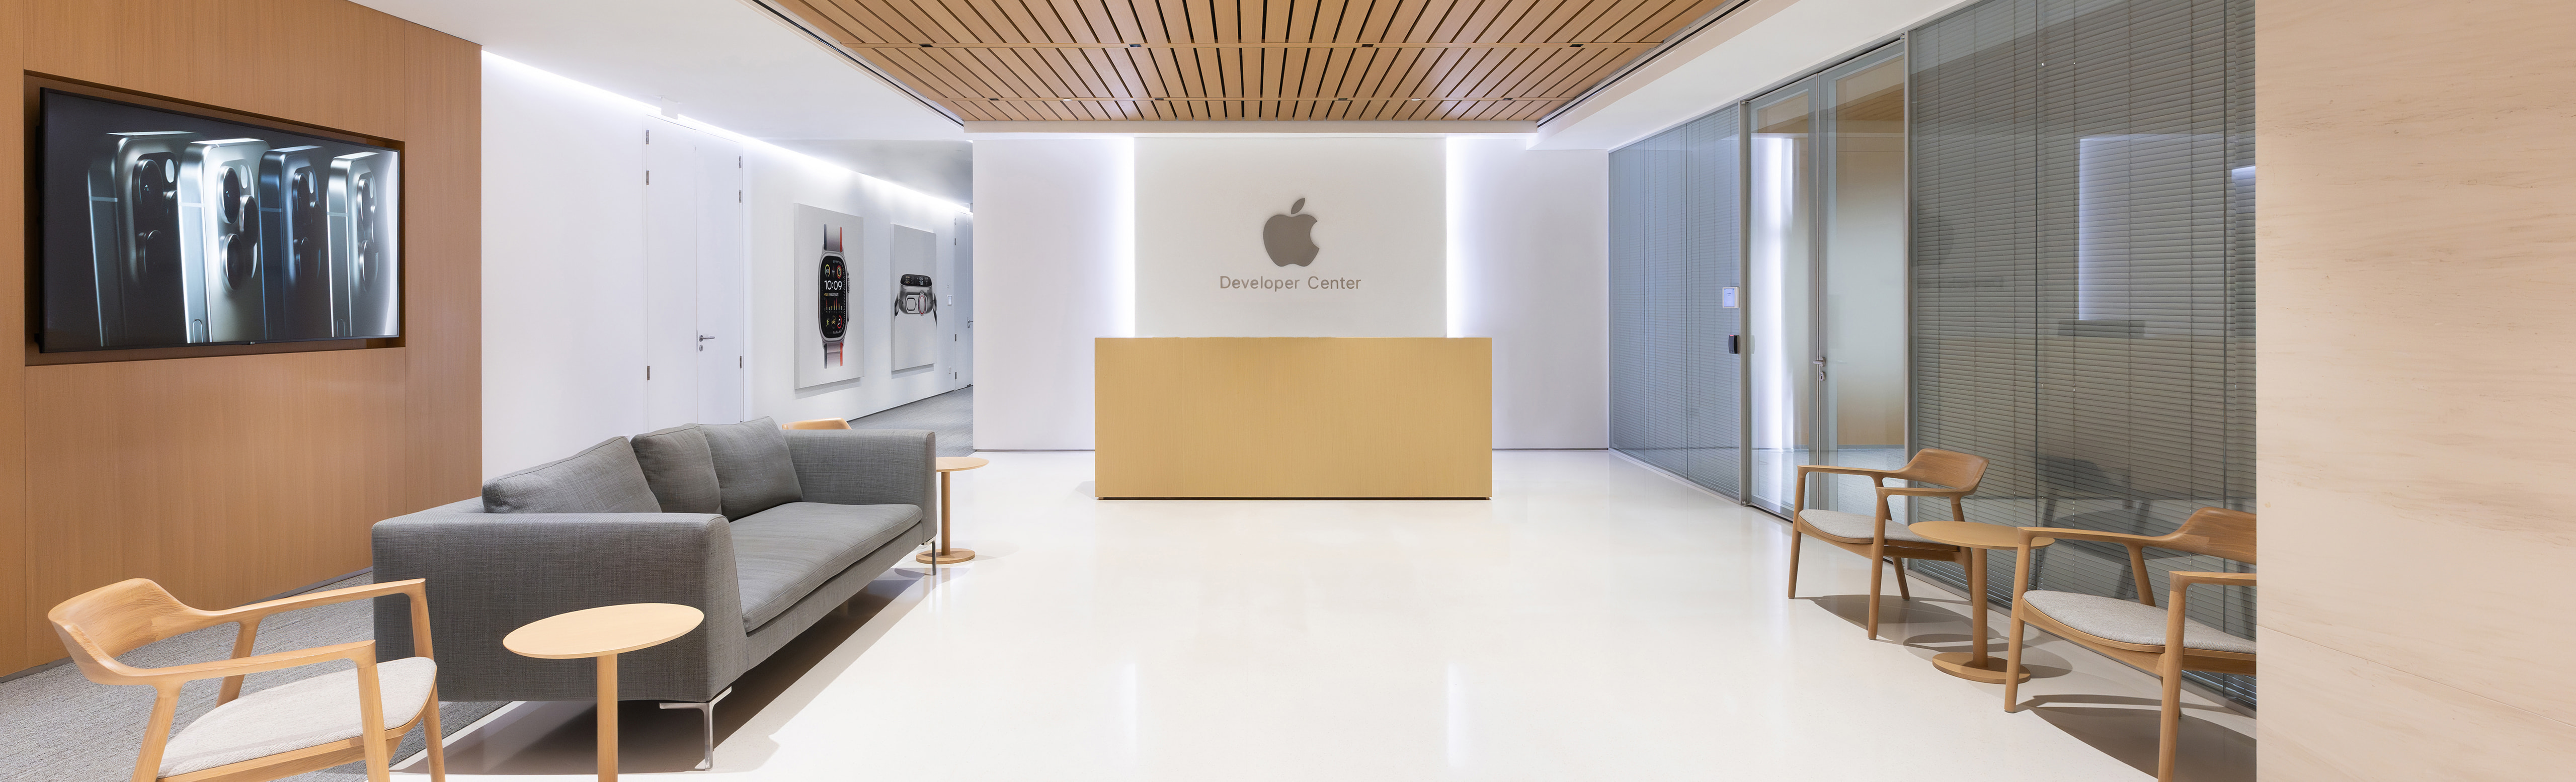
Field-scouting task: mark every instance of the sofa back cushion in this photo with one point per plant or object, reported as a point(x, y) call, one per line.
point(604, 478)
point(753, 470)
point(681, 469)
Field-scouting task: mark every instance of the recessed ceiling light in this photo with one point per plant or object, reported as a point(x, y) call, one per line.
point(1414, 100)
point(1067, 100)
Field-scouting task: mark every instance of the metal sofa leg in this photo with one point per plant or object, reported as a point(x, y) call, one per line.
point(707, 714)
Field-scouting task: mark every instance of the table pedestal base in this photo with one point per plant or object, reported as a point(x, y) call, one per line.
point(949, 557)
point(1960, 664)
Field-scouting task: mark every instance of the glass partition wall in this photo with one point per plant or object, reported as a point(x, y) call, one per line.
point(1675, 378)
point(1825, 217)
point(2025, 231)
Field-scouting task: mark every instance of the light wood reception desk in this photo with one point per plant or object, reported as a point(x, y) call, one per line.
point(1294, 417)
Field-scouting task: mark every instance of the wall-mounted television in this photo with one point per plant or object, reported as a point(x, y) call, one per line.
point(165, 229)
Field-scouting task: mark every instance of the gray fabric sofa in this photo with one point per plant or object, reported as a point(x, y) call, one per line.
point(814, 516)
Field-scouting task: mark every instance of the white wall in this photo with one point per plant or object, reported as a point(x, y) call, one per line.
point(563, 267)
point(1054, 258)
point(1205, 209)
point(563, 274)
point(1529, 234)
point(1528, 245)
point(778, 181)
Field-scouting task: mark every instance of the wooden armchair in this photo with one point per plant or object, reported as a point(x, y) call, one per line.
point(278, 732)
point(2140, 634)
point(1871, 536)
point(819, 423)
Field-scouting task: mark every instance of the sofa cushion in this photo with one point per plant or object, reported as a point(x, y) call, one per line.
point(753, 471)
point(601, 479)
point(782, 554)
point(681, 469)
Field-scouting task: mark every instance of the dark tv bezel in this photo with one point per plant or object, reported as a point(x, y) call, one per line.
point(37, 85)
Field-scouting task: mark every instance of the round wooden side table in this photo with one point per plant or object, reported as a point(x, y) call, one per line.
point(946, 555)
point(1976, 538)
point(604, 632)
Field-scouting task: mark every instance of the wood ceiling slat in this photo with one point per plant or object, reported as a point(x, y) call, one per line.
point(1045, 23)
point(1342, 24)
point(1074, 71)
point(1233, 59)
point(957, 19)
point(1581, 25)
point(1552, 22)
point(1017, 20)
point(1648, 19)
point(1519, 78)
point(1500, 17)
point(829, 18)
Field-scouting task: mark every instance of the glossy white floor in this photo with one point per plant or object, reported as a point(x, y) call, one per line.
point(1594, 621)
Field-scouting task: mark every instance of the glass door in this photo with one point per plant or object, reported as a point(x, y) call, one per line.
point(1825, 217)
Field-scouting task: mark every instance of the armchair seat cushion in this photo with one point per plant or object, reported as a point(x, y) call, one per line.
point(298, 714)
point(2128, 621)
point(784, 553)
point(1858, 527)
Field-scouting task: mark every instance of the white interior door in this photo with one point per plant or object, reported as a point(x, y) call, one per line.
point(723, 374)
point(671, 246)
point(960, 357)
point(693, 285)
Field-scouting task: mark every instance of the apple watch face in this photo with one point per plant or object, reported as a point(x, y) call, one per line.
point(836, 296)
point(917, 297)
point(835, 288)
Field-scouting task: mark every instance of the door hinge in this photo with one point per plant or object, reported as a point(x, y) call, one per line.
point(648, 371)
point(737, 362)
point(648, 135)
point(648, 177)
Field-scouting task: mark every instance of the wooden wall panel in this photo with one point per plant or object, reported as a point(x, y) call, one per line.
point(18, 637)
point(2416, 395)
point(231, 478)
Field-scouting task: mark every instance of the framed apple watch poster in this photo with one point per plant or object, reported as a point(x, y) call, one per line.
point(829, 312)
point(914, 254)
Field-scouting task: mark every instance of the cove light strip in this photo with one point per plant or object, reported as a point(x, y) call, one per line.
point(656, 111)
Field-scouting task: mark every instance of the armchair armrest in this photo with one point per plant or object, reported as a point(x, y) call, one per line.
point(235, 668)
point(1803, 469)
point(2061, 533)
point(249, 617)
point(1920, 491)
point(492, 573)
point(2181, 582)
point(866, 466)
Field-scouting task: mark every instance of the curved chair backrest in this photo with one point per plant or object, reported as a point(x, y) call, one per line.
point(2217, 532)
point(819, 423)
point(99, 625)
point(1950, 469)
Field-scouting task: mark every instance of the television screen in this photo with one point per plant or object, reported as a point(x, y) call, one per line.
point(163, 229)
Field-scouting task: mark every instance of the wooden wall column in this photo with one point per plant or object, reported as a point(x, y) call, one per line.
point(231, 478)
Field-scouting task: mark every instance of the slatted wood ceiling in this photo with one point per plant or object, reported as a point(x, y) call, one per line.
point(1006, 60)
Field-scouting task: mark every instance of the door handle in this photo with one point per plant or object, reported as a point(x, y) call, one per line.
point(703, 338)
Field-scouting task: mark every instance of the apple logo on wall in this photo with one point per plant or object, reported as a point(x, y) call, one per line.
point(1290, 238)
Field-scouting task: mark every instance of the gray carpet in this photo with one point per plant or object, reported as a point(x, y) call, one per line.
point(952, 415)
point(61, 726)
